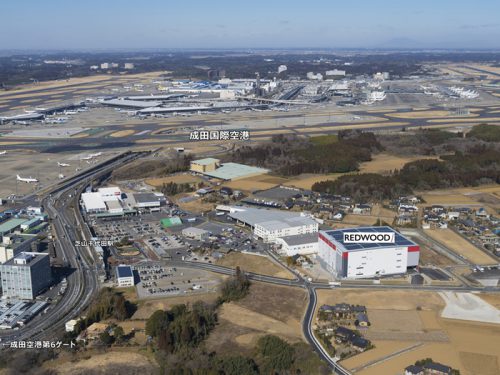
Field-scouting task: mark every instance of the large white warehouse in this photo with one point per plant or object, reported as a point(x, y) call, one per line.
point(271, 230)
point(269, 225)
point(366, 257)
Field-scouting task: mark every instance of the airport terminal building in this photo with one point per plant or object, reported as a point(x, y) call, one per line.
point(356, 260)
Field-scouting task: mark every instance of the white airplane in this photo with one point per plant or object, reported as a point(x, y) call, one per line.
point(3, 152)
point(57, 120)
point(91, 156)
point(63, 164)
point(28, 180)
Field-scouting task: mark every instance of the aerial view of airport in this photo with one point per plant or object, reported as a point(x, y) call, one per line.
point(279, 189)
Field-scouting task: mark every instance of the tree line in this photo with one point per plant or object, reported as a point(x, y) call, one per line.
point(480, 165)
point(292, 155)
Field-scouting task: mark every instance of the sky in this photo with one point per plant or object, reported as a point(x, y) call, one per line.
point(139, 24)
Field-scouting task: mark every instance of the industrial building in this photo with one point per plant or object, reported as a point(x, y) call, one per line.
point(13, 244)
point(15, 313)
point(151, 201)
point(124, 276)
point(271, 230)
point(204, 165)
point(26, 275)
point(268, 224)
point(104, 200)
point(131, 104)
point(11, 225)
point(302, 244)
point(31, 223)
point(226, 171)
point(346, 259)
point(195, 233)
point(93, 203)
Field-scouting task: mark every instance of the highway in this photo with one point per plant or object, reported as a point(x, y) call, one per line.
point(62, 205)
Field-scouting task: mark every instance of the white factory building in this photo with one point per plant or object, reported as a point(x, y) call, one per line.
point(302, 244)
point(104, 200)
point(150, 201)
point(366, 259)
point(270, 231)
point(268, 224)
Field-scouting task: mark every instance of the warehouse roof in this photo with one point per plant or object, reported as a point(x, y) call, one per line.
point(338, 236)
point(300, 239)
point(114, 204)
point(146, 197)
point(93, 201)
point(131, 103)
point(34, 220)
point(124, 271)
point(206, 161)
point(11, 225)
point(252, 216)
point(288, 222)
point(279, 193)
point(232, 171)
point(112, 190)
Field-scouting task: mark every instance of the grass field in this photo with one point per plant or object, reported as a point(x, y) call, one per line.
point(378, 212)
point(122, 133)
point(131, 360)
point(324, 140)
point(384, 163)
point(306, 181)
point(420, 114)
point(255, 263)
point(487, 196)
point(459, 245)
point(256, 183)
point(446, 197)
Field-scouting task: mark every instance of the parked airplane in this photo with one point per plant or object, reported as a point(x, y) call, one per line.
point(57, 120)
point(91, 156)
point(28, 180)
point(63, 164)
point(3, 152)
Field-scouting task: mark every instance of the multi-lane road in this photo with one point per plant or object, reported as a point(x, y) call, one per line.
point(62, 205)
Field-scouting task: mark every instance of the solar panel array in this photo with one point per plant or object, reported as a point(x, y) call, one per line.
point(338, 235)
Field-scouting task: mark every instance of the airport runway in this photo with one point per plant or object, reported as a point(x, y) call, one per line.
point(169, 135)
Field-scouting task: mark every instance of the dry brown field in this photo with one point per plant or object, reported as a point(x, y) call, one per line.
point(255, 263)
point(457, 343)
point(460, 246)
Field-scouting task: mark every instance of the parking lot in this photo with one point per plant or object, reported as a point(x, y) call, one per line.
point(150, 241)
point(157, 280)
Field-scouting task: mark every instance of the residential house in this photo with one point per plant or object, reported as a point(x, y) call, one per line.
point(414, 370)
